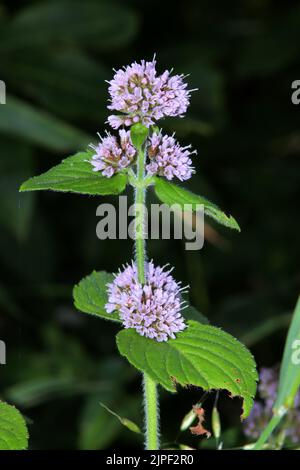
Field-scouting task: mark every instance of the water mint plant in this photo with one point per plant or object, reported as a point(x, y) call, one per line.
point(160, 333)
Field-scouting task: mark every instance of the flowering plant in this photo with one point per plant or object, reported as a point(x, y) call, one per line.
point(261, 413)
point(163, 336)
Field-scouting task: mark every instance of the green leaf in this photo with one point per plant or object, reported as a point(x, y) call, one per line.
point(75, 174)
point(13, 430)
point(201, 355)
point(90, 295)
point(18, 118)
point(170, 193)
point(138, 134)
point(102, 25)
point(289, 380)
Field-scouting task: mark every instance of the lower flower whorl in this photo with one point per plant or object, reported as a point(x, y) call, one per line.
point(152, 309)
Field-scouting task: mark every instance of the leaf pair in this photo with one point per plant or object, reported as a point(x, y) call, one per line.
point(75, 174)
point(201, 355)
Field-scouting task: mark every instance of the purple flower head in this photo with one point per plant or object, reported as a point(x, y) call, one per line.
point(168, 159)
point(113, 155)
point(257, 420)
point(143, 96)
point(261, 412)
point(152, 309)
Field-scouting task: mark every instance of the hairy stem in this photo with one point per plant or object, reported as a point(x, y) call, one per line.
point(151, 413)
point(150, 388)
point(140, 199)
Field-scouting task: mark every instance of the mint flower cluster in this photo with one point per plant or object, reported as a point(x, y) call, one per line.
point(112, 154)
point(152, 309)
point(168, 158)
point(261, 412)
point(143, 96)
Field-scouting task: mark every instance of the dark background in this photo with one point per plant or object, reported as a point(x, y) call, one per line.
point(54, 57)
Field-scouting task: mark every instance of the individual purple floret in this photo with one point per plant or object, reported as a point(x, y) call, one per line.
point(113, 155)
point(143, 96)
point(152, 309)
point(168, 158)
point(261, 412)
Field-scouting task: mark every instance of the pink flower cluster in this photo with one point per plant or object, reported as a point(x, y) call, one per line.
point(113, 155)
point(143, 96)
point(261, 412)
point(152, 309)
point(168, 158)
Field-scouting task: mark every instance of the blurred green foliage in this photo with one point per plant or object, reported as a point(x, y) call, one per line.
point(55, 57)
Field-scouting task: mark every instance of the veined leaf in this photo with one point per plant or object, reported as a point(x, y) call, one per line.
point(170, 193)
point(201, 355)
point(289, 381)
point(75, 174)
point(138, 134)
point(13, 430)
point(90, 295)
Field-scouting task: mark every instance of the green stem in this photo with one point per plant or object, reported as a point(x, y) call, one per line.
point(150, 388)
point(151, 412)
point(275, 420)
point(140, 200)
